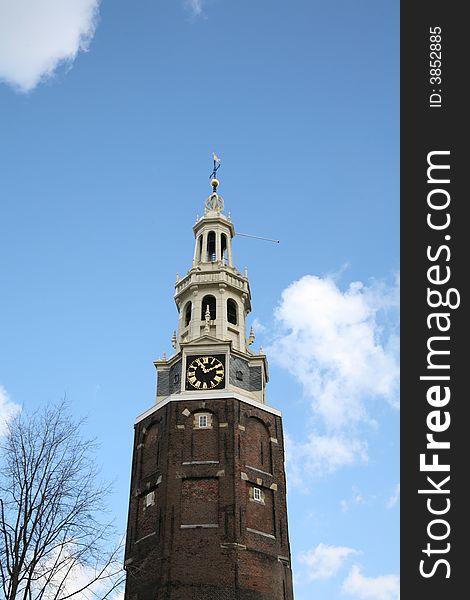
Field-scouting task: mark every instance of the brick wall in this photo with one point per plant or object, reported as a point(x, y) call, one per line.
point(260, 515)
point(199, 444)
point(149, 450)
point(199, 501)
point(203, 477)
point(257, 449)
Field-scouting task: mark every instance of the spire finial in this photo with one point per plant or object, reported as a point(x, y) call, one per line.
point(215, 202)
point(214, 180)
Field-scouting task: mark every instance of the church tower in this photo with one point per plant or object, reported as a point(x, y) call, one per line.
point(207, 514)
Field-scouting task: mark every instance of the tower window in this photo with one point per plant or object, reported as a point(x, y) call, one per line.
point(208, 301)
point(149, 499)
point(258, 495)
point(203, 421)
point(231, 311)
point(199, 255)
point(187, 314)
point(211, 256)
point(223, 242)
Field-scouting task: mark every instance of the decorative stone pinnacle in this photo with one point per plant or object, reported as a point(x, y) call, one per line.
point(173, 339)
point(251, 339)
point(261, 350)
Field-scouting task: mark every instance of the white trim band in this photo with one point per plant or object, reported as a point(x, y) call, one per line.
point(215, 395)
point(202, 526)
point(268, 535)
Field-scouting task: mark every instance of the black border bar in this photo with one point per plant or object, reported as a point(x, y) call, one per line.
point(435, 270)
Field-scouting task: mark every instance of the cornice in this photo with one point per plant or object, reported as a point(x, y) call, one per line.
point(198, 396)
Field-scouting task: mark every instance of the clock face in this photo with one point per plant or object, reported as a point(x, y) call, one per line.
point(205, 372)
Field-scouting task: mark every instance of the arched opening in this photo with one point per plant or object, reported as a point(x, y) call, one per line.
point(258, 451)
point(187, 314)
point(208, 301)
point(223, 241)
point(201, 436)
point(199, 251)
point(231, 311)
point(211, 256)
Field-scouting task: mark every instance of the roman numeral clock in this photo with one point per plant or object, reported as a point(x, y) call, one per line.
point(207, 510)
point(205, 372)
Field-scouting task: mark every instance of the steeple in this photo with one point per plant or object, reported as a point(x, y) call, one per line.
point(213, 283)
point(213, 301)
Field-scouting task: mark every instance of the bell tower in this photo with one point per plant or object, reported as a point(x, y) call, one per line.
point(207, 514)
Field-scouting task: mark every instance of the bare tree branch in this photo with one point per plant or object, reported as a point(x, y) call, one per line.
point(54, 543)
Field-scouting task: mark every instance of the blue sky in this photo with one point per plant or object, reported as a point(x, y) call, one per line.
point(109, 114)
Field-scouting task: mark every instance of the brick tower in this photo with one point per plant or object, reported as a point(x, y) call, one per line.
point(207, 514)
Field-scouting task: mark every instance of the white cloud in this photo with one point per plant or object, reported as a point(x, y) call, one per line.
point(342, 347)
point(391, 502)
point(384, 587)
point(333, 345)
point(38, 36)
point(322, 454)
point(325, 561)
point(195, 6)
point(8, 409)
point(356, 499)
point(258, 326)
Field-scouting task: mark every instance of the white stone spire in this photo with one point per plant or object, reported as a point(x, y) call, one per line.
point(213, 301)
point(213, 298)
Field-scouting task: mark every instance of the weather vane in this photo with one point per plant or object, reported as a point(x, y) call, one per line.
point(213, 175)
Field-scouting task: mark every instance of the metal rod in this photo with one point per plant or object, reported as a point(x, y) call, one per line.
point(257, 237)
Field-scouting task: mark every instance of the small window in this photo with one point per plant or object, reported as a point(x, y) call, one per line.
point(176, 378)
point(257, 495)
point(231, 311)
point(149, 499)
point(239, 375)
point(203, 421)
